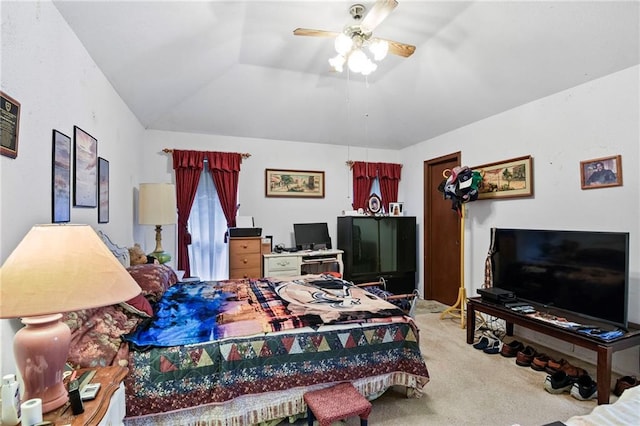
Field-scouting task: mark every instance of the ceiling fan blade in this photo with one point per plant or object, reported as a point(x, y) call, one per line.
point(380, 10)
point(400, 49)
point(314, 33)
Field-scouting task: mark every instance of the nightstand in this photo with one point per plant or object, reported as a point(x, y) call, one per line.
point(109, 401)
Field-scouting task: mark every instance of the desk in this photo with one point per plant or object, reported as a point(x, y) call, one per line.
point(604, 350)
point(288, 264)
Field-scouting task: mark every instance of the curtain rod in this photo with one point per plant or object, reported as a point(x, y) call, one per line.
point(350, 163)
point(169, 151)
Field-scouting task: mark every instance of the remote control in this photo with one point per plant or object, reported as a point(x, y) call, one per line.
point(89, 392)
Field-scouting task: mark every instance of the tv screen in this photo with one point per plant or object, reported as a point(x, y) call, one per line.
point(311, 236)
point(582, 272)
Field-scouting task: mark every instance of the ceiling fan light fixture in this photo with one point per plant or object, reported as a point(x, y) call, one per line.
point(337, 62)
point(358, 61)
point(343, 44)
point(379, 49)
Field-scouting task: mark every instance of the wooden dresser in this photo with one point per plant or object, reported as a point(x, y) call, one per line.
point(245, 257)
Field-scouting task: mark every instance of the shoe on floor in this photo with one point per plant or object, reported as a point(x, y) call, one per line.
point(573, 371)
point(553, 365)
point(558, 382)
point(624, 383)
point(493, 348)
point(511, 349)
point(524, 358)
point(483, 342)
point(584, 388)
point(539, 362)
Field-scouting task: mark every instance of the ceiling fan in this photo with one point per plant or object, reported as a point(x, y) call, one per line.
point(359, 34)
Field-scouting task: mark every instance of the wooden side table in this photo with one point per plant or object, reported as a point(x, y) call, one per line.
point(94, 410)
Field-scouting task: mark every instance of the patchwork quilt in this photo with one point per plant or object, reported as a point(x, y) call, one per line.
point(259, 336)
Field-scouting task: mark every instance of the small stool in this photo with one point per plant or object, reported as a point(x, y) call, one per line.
point(336, 403)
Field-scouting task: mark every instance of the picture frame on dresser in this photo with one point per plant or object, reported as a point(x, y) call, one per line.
point(85, 169)
point(60, 177)
point(103, 190)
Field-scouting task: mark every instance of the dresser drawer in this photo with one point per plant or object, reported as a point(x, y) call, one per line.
point(245, 245)
point(245, 273)
point(279, 264)
point(244, 260)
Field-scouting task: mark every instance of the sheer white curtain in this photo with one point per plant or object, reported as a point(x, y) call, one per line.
point(208, 253)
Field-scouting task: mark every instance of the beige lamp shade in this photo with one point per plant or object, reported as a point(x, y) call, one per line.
point(157, 204)
point(62, 268)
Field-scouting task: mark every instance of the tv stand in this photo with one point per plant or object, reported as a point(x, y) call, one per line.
point(604, 350)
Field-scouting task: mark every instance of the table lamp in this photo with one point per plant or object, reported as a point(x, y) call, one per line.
point(157, 206)
point(56, 268)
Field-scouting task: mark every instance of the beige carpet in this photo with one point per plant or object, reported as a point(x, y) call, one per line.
point(469, 387)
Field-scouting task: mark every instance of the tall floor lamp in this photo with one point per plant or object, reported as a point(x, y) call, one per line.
point(54, 269)
point(157, 206)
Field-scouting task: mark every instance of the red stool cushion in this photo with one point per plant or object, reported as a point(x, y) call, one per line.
point(336, 403)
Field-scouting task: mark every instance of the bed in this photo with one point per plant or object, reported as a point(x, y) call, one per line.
point(247, 350)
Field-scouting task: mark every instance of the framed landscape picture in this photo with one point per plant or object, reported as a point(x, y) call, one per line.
point(506, 179)
point(103, 190)
point(294, 183)
point(85, 169)
point(61, 178)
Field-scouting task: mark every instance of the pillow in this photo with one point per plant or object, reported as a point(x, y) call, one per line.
point(138, 305)
point(153, 279)
point(96, 335)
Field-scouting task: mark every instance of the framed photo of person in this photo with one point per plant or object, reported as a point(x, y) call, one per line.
point(374, 204)
point(601, 172)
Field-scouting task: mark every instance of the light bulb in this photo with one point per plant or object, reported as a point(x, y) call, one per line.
point(337, 62)
point(343, 44)
point(357, 60)
point(379, 48)
point(368, 67)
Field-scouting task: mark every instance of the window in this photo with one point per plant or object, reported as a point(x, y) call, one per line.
point(208, 252)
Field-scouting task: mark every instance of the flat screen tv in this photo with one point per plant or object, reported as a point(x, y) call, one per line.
point(581, 272)
point(311, 236)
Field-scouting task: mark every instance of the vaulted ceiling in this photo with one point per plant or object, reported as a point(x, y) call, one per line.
point(235, 68)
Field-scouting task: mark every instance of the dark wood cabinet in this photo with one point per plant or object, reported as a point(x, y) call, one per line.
point(377, 247)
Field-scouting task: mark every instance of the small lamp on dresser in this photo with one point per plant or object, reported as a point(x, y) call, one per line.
point(54, 269)
point(157, 206)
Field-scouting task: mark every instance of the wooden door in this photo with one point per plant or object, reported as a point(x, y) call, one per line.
point(442, 255)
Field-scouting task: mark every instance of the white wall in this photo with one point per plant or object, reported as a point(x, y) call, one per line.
point(275, 216)
point(47, 70)
point(596, 119)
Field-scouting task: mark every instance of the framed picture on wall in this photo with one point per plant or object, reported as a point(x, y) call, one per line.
point(294, 183)
point(506, 179)
point(10, 130)
point(601, 172)
point(103, 190)
point(61, 178)
point(85, 169)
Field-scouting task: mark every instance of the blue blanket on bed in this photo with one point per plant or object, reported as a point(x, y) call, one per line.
point(185, 314)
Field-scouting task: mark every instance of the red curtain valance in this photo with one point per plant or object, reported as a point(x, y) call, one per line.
point(388, 175)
